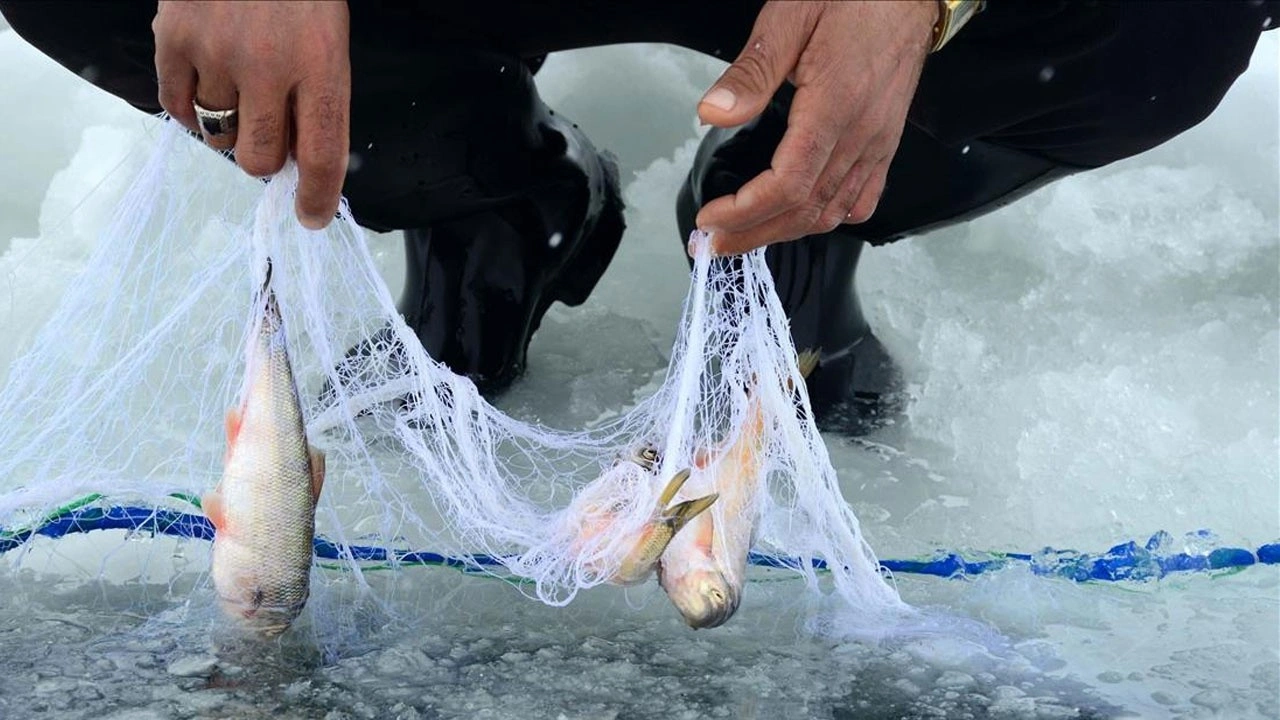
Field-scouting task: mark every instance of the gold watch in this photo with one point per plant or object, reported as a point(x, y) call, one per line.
point(952, 16)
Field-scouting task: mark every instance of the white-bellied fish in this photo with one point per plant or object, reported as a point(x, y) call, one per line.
point(703, 569)
point(263, 508)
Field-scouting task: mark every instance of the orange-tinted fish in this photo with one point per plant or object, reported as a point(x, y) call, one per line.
point(641, 550)
point(704, 568)
point(263, 508)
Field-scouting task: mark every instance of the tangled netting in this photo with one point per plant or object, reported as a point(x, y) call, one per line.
point(126, 386)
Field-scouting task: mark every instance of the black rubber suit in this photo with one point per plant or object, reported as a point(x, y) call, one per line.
point(480, 193)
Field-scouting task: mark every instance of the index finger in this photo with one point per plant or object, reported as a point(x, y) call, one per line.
point(322, 112)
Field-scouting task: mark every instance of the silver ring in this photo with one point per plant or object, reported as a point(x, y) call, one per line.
point(215, 122)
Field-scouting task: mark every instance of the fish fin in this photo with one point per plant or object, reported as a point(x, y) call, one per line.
point(808, 360)
point(317, 472)
point(233, 421)
point(673, 486)
point(214, 509)
point(701, 458)
point(682, 513)
point(706, 533)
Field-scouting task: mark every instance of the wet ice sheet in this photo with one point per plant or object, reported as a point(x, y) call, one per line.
point(478, 650)
point(471, 647)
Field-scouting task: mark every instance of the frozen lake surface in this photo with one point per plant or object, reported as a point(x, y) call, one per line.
point(1090, 365)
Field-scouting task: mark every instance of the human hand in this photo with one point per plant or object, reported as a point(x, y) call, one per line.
point(285, 66)
point(855, 66)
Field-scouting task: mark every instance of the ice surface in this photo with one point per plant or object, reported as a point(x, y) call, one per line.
point(1092, 364)
point(483, 654)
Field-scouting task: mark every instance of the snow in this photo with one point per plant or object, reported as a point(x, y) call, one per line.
point(1094, 363)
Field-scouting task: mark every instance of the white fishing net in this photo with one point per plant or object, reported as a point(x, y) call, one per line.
point(123, 393)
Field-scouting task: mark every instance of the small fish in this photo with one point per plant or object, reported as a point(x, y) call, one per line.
point(704, 568)
point(644, 546)
point(263, 508)
point(657, 533)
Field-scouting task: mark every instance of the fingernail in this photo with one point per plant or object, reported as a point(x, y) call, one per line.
point(312, 222)
point(709, 239)
point(721, 98)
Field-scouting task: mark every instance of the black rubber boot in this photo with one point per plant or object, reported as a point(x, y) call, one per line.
point(510, 206)
point(857, 386)
point(476, 287)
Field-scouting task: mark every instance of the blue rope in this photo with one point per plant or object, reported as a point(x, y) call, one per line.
point(1127, 561)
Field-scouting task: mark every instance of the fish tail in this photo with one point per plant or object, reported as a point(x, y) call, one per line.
point(266, 278)
point(680, 514)
point(807, 361)
point(266, 297)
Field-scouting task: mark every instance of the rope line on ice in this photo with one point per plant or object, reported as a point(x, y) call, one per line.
point(1126, 561)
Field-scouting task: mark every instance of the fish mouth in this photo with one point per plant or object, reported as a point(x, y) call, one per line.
point(269, 621)
point(715, 612)
point(706, 601)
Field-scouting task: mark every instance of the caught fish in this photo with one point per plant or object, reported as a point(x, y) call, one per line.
point(654, 537)
point(641, 550)
point(704, 568)
point(263, 508)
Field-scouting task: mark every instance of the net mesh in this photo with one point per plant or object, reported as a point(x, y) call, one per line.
point(123, 392)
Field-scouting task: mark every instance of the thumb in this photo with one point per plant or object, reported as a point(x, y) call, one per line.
point(747, 85)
